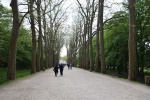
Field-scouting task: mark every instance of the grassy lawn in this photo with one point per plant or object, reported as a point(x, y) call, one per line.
point(3, 75)
point(19, 74)
point(22, 73)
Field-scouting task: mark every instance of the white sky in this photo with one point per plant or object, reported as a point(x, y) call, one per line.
point(63, 51)
point(6, 3)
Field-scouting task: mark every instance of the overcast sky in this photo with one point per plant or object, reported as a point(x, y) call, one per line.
point(6, 3)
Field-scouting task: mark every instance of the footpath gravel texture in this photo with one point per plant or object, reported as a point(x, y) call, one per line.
point(75, 84)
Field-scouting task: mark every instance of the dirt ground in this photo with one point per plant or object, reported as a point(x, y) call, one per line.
point(75, 84)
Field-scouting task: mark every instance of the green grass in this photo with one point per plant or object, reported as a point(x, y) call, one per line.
point(3, 76)
point(19, 74)
point(22, 73)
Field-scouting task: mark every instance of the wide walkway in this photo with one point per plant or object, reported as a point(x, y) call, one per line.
point(76, 84)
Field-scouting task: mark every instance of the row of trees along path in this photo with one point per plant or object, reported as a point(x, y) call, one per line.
point(17, 23)
point(49, 46)
point(76, 84)
point(46, 51)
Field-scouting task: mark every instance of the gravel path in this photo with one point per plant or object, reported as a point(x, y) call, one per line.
point(76, 84)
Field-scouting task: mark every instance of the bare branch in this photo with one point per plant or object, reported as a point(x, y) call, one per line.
point(112, 18)
point(23, 18)
point(54, 6)
point(81, 8)
point(23, 12)
point(22, 4)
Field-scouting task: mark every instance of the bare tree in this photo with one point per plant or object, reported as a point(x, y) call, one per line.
point(97, 39)
point(84, 46)
point(89, 16)
point(40, 35)
point(33, 68)
point(44, 9)
point(90, 39)
point(55, 17)
point(74, 41)
point(11, 74)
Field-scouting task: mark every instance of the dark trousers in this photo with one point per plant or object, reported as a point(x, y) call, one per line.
point(61, 72)
point(56, 73)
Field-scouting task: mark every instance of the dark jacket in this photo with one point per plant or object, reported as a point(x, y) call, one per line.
point(55, 69)
point(61, 67)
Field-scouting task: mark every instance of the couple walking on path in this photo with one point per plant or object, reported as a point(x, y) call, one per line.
point(60, 67)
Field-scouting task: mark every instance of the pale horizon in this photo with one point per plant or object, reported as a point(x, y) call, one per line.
point(63, 51)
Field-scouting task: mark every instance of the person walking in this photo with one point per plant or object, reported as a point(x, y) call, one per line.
point(68, 66)
point(56, 70)
point(61, 67)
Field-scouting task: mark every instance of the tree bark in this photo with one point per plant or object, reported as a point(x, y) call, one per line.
point(102, 52)
point(97, 40)
point(91, 49)
point(45, 39)
point(11, 74)
point(42, 57)
point(132, 41)
point(91, 23)
point(88, 50)
point(85, 43)
point(33, 68)
point(40, 35)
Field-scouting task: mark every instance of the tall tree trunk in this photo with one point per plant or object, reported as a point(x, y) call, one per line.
point(102, 52)
point(91, 24)
point(80, 52)
point(11, 74)
point(97, 40)
point(91, 49)
point(42, 56)
point(53, 57)
point(80, 57)
point(46, 44)
point(33, 68)
point(142, 53)
point(88, 54)
point(142, 60)
point(132, 41)
point(83, 59)
point(49, 53)
point(84, 47)
point(50, 56)
point(40, 35)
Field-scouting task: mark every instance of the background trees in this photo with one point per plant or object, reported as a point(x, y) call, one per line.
point(52, 40)
point(142, 30)
point(116, 33)
point(32, 22)
point(75, 42)
point(13, 41)
point(5, 30)
point(116, 42)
